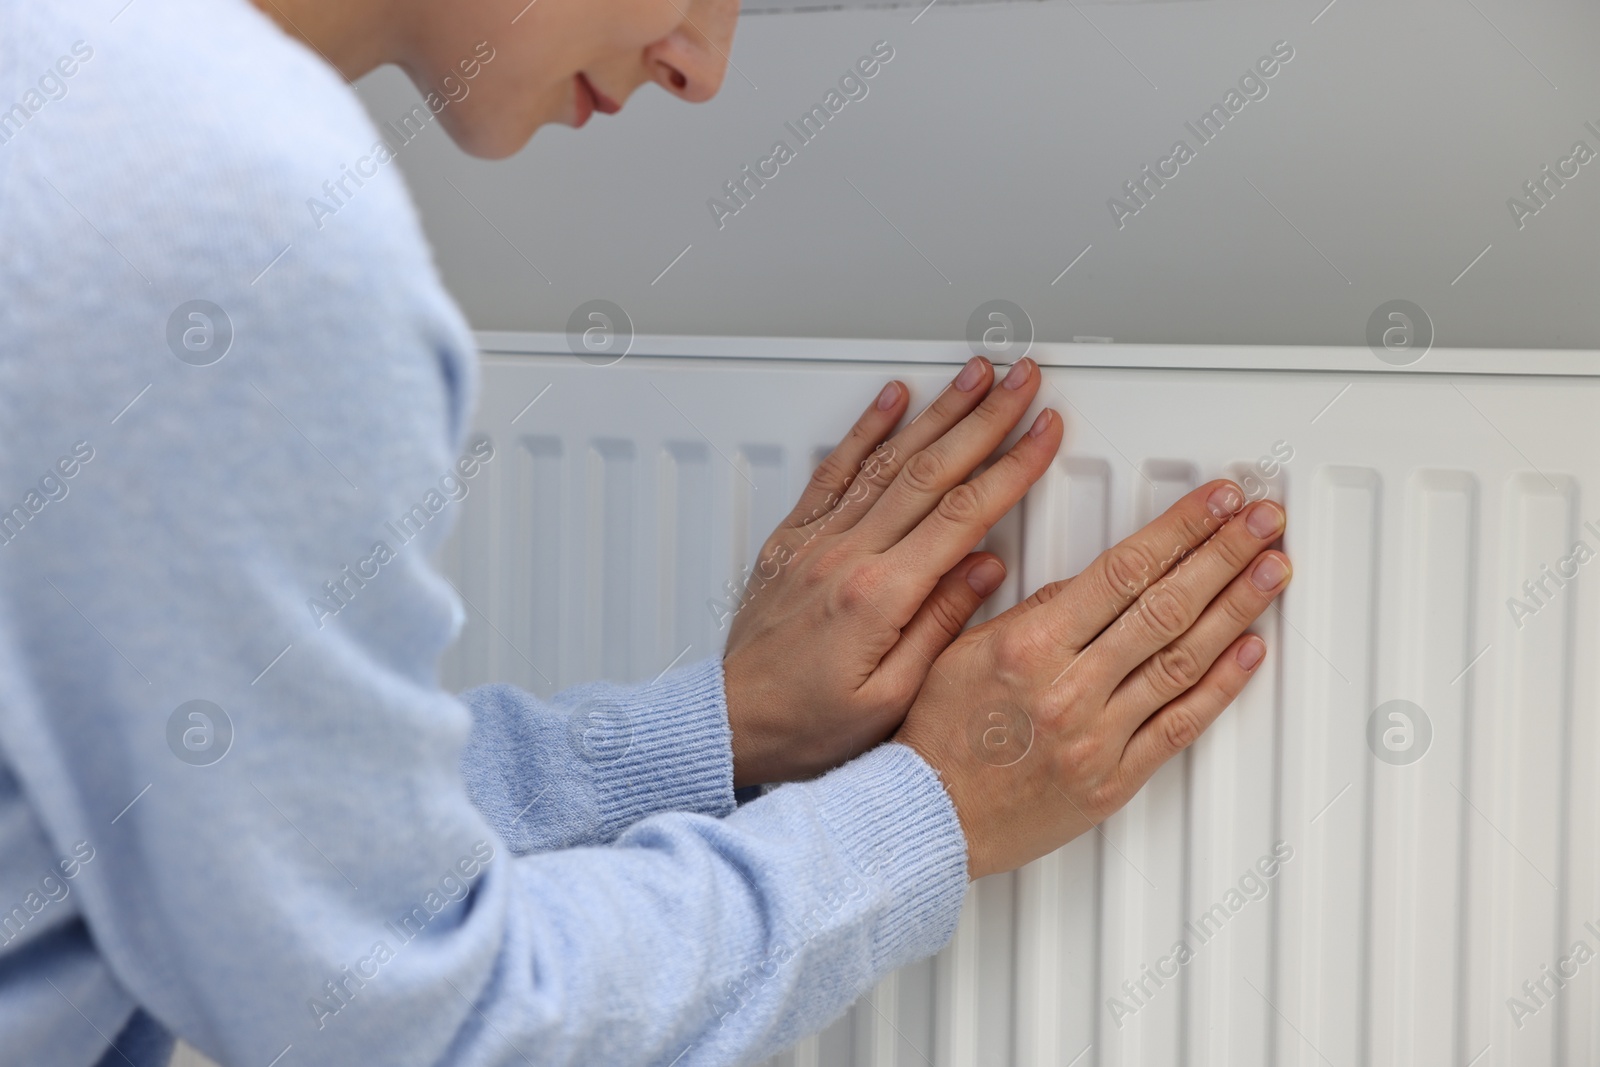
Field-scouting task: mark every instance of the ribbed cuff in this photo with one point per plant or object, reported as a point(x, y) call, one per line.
point(891, 815)
point(678, 751)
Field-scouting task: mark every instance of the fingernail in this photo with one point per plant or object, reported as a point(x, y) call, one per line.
point(1040, 423)
point(1251, 652)
point(1224, 501)
point(1265, 520)
point(1018, 374)
point(890, 394)
point(1269, 573)
point(986, 577)
point(970, 374)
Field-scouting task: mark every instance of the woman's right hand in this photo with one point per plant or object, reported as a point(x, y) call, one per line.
point(1048, 718)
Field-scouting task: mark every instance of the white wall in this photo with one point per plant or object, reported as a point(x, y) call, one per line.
point(1387, 148)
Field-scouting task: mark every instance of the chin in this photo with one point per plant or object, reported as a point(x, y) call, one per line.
point(492, 140)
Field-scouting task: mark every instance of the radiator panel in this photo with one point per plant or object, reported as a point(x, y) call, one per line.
point(1421, 894)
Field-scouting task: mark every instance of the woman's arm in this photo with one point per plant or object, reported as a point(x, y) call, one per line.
point(595, 759)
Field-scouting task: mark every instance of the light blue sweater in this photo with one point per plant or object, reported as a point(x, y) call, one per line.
point(375, 871)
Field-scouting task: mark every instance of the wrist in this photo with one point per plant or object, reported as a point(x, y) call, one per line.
point(758, 750)
point(931, 753)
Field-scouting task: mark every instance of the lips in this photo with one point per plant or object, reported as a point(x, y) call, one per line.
point(591, 100)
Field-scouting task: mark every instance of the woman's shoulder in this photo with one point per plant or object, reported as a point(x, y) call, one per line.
point(196, 131)
point(199, 162)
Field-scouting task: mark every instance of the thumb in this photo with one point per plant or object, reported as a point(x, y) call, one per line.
point(942, 616)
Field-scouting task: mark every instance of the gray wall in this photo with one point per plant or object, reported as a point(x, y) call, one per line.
point(1377, 167)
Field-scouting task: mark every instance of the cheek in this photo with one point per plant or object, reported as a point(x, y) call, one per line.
point(633, 25)
point(576, 35)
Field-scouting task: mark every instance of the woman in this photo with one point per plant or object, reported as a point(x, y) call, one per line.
point(228, 369)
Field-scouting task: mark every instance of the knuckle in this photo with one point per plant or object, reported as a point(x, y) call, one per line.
point(1045, 593)
point(773, 555)
point(1104, 797)
point(962, 505)
point(1018, 651)
point(858, 588)
point(1177, 668)
point(947, 615)
point(957, 405)
point(846, 599)
point(1235, 552)
point(878, 469)
point(1180, 727)
point(989, 416)
point(859, 434)
point(1197, 531)
point(830, 474)
point(826, 564)
point(886, 454)
point(1164, 613)
point(923, 472)
point(1128, 569)
point(1239, 611)
point(1080, 754)
point(1015, 464)
point(948, 406)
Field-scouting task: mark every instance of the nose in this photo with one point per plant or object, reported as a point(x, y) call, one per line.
point(688, 64)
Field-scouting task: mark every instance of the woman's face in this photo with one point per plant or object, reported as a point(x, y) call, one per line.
point(560, 60)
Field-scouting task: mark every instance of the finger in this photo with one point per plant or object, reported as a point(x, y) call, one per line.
point(1042, 595)
point(966, 513)
point(833, 475)
point(869, 476)
point(941, 618)
point(1169, 608)
point(1178, 725)
point(1177, 668)
point(926, 476)
point(1120, 575)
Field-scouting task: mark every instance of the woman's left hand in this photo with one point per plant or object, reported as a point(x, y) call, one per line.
point(873, 574)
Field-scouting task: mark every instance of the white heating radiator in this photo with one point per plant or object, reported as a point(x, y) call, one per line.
point(1421, 895)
